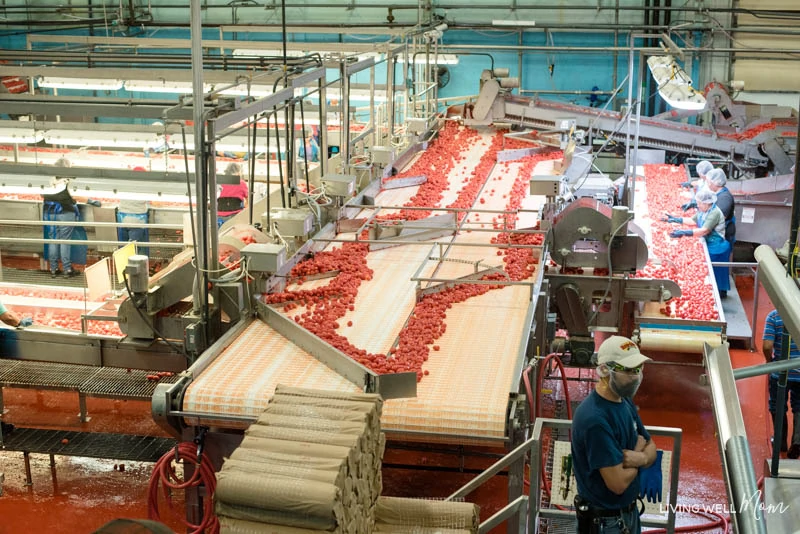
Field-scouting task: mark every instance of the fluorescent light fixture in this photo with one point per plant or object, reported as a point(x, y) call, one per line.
point(359, 95)
point(682, 97)
point(515, 23)
point(79, 83)
point(278, 52)
point(104, 138)
point(674, 85)
point(440, 59)
point(257, 91)
point(20, 135)
point(163, 86)
point(229, 143)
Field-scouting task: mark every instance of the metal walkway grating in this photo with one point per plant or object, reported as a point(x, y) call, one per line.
point(117, 382)
point(47, 375)
point(88, 444)
point(90, 381)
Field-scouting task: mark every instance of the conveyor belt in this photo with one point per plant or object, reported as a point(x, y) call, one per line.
point(465, 397)
point(243, 378)
point(111, 382)
point(88, 445)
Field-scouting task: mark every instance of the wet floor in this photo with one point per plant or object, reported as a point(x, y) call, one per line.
point(87, 493)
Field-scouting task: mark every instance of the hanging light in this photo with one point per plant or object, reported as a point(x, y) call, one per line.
point(163, 86)
point(79, 83)
point(674, 85)
point(104, 138)
point(9, 134)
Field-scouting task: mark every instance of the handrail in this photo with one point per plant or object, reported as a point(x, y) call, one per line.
point(737, 464)
point(534, 511)
point(754, 312)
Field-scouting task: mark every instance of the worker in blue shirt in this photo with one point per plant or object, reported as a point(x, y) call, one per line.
point(771, 348)
point(611, 449)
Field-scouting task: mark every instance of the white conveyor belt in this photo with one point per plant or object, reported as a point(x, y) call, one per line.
point(463, 399)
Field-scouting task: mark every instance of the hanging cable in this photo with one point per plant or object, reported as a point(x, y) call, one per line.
point(251, 181)
point(280, 168)
point(305, 150)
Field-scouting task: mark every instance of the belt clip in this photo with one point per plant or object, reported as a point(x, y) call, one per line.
point(200, 441)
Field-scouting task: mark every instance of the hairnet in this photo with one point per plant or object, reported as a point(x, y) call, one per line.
point(62, 162)
point(703, 167)
point(705, 196)
point(233, 168)
point(717, 177)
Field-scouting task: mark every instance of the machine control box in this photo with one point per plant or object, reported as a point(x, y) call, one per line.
point(382, 155)
point(339, 185)
point(417, 125)
point(291, 222)
point(548, 185)
point(264, 257)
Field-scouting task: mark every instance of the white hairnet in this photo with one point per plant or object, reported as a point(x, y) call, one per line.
point(62, 162)
point(703, 167)
point(233, 168)
point(717, 177)
point(706, 196)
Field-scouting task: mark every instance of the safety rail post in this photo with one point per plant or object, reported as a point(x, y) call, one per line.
point(533, 446)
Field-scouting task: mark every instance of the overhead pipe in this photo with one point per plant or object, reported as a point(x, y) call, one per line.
point(774, 13)
point(603, 49)
point(594, 28)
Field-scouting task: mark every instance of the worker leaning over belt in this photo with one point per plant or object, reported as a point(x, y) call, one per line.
point(59, 206)
point(717, 182)
point(702, 169)
point(611, 449)
point(710, 225)
point(232, 197)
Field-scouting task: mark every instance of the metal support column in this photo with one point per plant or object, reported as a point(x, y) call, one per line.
point(201, 250)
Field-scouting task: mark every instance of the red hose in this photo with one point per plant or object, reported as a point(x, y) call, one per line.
point(164, 477)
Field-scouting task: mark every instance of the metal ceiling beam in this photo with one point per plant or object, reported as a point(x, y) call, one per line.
point(149, 42)
point(150, 74)
point(24, 104)
point(117, 60)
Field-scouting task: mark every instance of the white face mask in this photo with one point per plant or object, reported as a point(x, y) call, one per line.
point(624, 384)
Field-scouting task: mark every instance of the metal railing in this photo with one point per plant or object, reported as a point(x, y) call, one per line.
point(737, 464)
point(529, 510)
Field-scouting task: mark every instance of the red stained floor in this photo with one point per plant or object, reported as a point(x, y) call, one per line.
point(88, 493)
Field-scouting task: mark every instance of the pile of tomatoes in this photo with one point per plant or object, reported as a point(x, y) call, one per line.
point(320, 310)
point(681, 260)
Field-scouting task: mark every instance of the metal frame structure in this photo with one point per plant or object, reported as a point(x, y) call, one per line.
point(524, 512)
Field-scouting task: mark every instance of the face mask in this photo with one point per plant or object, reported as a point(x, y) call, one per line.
point(623, 384)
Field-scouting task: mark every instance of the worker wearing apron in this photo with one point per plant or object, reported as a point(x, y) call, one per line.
point(58, 205)
point(711, 225)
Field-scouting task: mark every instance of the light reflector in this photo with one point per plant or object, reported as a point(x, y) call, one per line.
point(79, 83)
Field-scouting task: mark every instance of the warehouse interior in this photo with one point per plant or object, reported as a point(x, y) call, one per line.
point(345, 266)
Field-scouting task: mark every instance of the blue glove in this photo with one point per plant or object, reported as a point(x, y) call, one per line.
point(650, 480)
point(680, 233)
point(673, 219)
point(687, 185)
point(26, 321)
point(689, 205)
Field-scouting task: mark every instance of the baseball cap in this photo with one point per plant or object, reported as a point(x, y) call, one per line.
point(622, 351)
